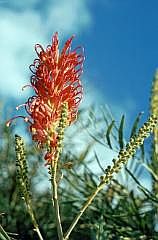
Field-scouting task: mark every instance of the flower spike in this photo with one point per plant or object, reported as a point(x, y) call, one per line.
point(56, 81)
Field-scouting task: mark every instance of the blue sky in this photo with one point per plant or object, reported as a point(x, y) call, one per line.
point(120, 38)
point(125, 47)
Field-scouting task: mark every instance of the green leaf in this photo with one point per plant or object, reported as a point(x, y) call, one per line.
point(108, 133)
point(97, 158)
point(120, 132)
point(3, 234)
point(135, 125)
point(147, 193)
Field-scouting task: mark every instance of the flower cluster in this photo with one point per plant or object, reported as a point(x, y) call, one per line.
point(154, 108)
point(56, 81)
point(130, 149)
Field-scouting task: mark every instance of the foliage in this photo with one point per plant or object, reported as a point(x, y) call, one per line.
point(125, 209)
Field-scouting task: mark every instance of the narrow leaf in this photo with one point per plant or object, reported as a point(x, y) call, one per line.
point(120, 132)
point(135, 125)
point(108, 133)
point(97, 158)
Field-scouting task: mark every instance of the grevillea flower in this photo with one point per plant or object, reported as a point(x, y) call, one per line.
point(56, 81)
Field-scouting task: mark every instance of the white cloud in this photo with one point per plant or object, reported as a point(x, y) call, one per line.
point(17, 40)
point(21, 26)
point(68, 15)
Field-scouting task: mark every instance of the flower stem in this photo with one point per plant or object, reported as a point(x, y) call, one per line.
point(55, 200)
point(123, 156)
point(30, 211)
point(3, 234)
point(54, 166)
point(85, 206)
point(22, 174)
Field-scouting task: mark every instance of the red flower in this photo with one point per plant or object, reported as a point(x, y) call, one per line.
point(55, 80)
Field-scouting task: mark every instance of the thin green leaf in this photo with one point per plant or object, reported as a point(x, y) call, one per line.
point(151, 171)
point(142, 152)
point(95, 138)
point(3, 234)
point(108, 133)
point(135, 125)
point(84, 153)
point(120, 132)
point(99, 164)
point(146, 192)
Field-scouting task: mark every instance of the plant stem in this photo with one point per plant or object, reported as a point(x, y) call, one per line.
point(22, 173)
point(54, 166)
point(30, 211)
point(55, 198)
point(123, 156)
point(3, 234)
point(85, 206)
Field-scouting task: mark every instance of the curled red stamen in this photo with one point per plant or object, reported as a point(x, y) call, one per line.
point(55, 80)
